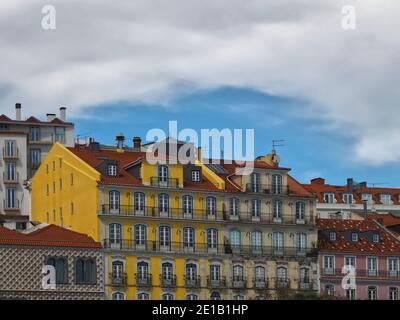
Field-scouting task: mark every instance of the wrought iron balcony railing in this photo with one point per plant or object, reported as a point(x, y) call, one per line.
point(364, 273)
point(11, 177)
point(118, 279)
point(217, 283)
point(144, 280)
point(192, 282)
point(267, 188)
point(164, 182)
point(168, 281)
point(260, 283)
point(10, 153)
point(239, 282)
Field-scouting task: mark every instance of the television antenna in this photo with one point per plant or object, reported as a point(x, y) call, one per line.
point(277, 143)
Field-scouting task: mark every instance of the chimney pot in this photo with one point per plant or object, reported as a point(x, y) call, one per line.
point(137, 142)
point(63, 113)
point(199, 154)
point(17, 111)
point(120, 140)
point(50, 117)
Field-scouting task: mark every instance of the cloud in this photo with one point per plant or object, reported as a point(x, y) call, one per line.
point(110, 51)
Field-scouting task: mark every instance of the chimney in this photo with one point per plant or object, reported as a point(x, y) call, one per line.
point(137, 142)
point(63, 113)
point(319, 181)
point(50, 117)
point(93, 145)
point(199, 154)
point(18, 111)
point(365, 208)
point(350, 184)
point(120, 140)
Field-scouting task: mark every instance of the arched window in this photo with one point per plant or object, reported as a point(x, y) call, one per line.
point(281, 273)
point(235, 239)
point(167, 296)
point(163, 173)
point(259, 273)
point(211, 206)
point(164, 234)
point(278, 241)
point(143, 296)
point(118, 296)
point(304, 275)
point(212, 238)
point(114, 201)
point(142, 271)
point(215, 272)
point(255, 208)
point(256, 241)
point(188, 237)
point(163, 203)
point(85, 271)
point(187, 203)
point(277, 210)
point(276, 184)
point(117, 272)
point(140, 234)
point(60, 264)
point(139, 201)
point(191, 272)
point(255, 182)
point(300, 210)
point(237, 273)
point(115, 233)
point(167, 271)
point(192, 296)
point(215, 295)
point(234, 207)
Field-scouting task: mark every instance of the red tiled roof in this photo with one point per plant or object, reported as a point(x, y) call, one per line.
point(388, 244)
point(3, 117)
point(32, 119)
point(57, 120)
point(387, 219)
point(49, 236)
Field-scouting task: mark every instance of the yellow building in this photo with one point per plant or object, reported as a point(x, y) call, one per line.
point(174, 231)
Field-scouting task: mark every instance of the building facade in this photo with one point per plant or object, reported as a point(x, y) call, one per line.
point(76, 258)
point(182, 231)
point(24, 143)
point(370, 249)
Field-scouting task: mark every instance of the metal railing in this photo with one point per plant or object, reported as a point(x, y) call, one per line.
point(192, 282)
point(267, 189)
point(9, 205)
point(144, 280)
point(118, 279)
point(10, 153)
point(9, 177)
point(260, 283)
point(164, 182)
point(216, 282)
point(239, 282)
point(364, 273)
point(168, 281)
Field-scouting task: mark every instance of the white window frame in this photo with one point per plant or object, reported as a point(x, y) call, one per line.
point(112, 170)
point(196, 175)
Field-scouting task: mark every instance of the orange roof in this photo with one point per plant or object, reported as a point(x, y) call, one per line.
point(388, 244)
point(387, 219)
point(49, 236)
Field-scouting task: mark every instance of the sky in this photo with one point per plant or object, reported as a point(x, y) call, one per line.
point(286, 68)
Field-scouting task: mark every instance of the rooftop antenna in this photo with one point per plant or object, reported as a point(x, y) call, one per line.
point(378, 184)
point(277, 143)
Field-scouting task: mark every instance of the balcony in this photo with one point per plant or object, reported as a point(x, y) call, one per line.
point(192, 282)
point(267, 189)
point(11, 205)
point(11, 177)
point(214, 283)
point(10, 153)
point(144, 280)
point(118, 279)
point(364, 274)
point(164, 182)
point(238, 282)
point(47, 139)
point(282, 283)
point(260, 283)
point(168, 281)
point(307, 284)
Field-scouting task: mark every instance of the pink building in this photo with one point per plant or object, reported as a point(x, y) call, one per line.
point(367, 246)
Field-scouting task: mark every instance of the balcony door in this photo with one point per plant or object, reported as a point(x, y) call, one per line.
point(114, 201)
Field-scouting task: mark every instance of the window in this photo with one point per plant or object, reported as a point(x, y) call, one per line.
point(277, 240)
point(188, 237)
point(192, 297)
point(259, 273)
point(393, 293)
point(255, 208)
point(60, 184)
point(11, 201)
point(238, 297)
point(372, 265)
point(187, 205)
point(4, 127)
point(140, 234)
point(85, 270)
point(11, 149)
point(139, 201)
point(115, 233)
point(332, 236)
point(191, 272)
point(71, 178)
point(354, 236)
point(112, 170)
point(351, 294)
point(114, 200)
point(211, 206)
point(329, 197)
point(60, 264)
point(393, 267)
point(163, 203)
point(276, 184)
point(11, 173)
point(215, 296)
point(375, 238)
point(142, 271)
point(212, 238)
point(348, 198)
point(195, 175)
point(256, 240)
point(255, 182)
point(385, 198)
point(330, 289)
point(60, 134)
point(47, 189)
point(281, 274)
point(237, 273)
point(304, 275)
point(162, 173)
point(164, 236)
point(277, 210)
point(143, 296)
point(72, 208)
point(118, 296)
point(167, 296)
point(54, 186)
point(372, 293)
point(329, 265)
point(215, 271)
point(117, 273)
point(235, 239)
point(35, 157)
point(300, 210)
point(366, 197)
point(234, 207)
point(167, 271)
point(301, 242)
point(350, 261)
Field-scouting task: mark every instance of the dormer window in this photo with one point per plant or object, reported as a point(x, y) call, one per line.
point(385, 198)
point(354, 236)
point(195, 175)
point(329, 197)
point(366, 197)
point(375, 238)
point(348, 198)
point(112, 170)
point(332, 236)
